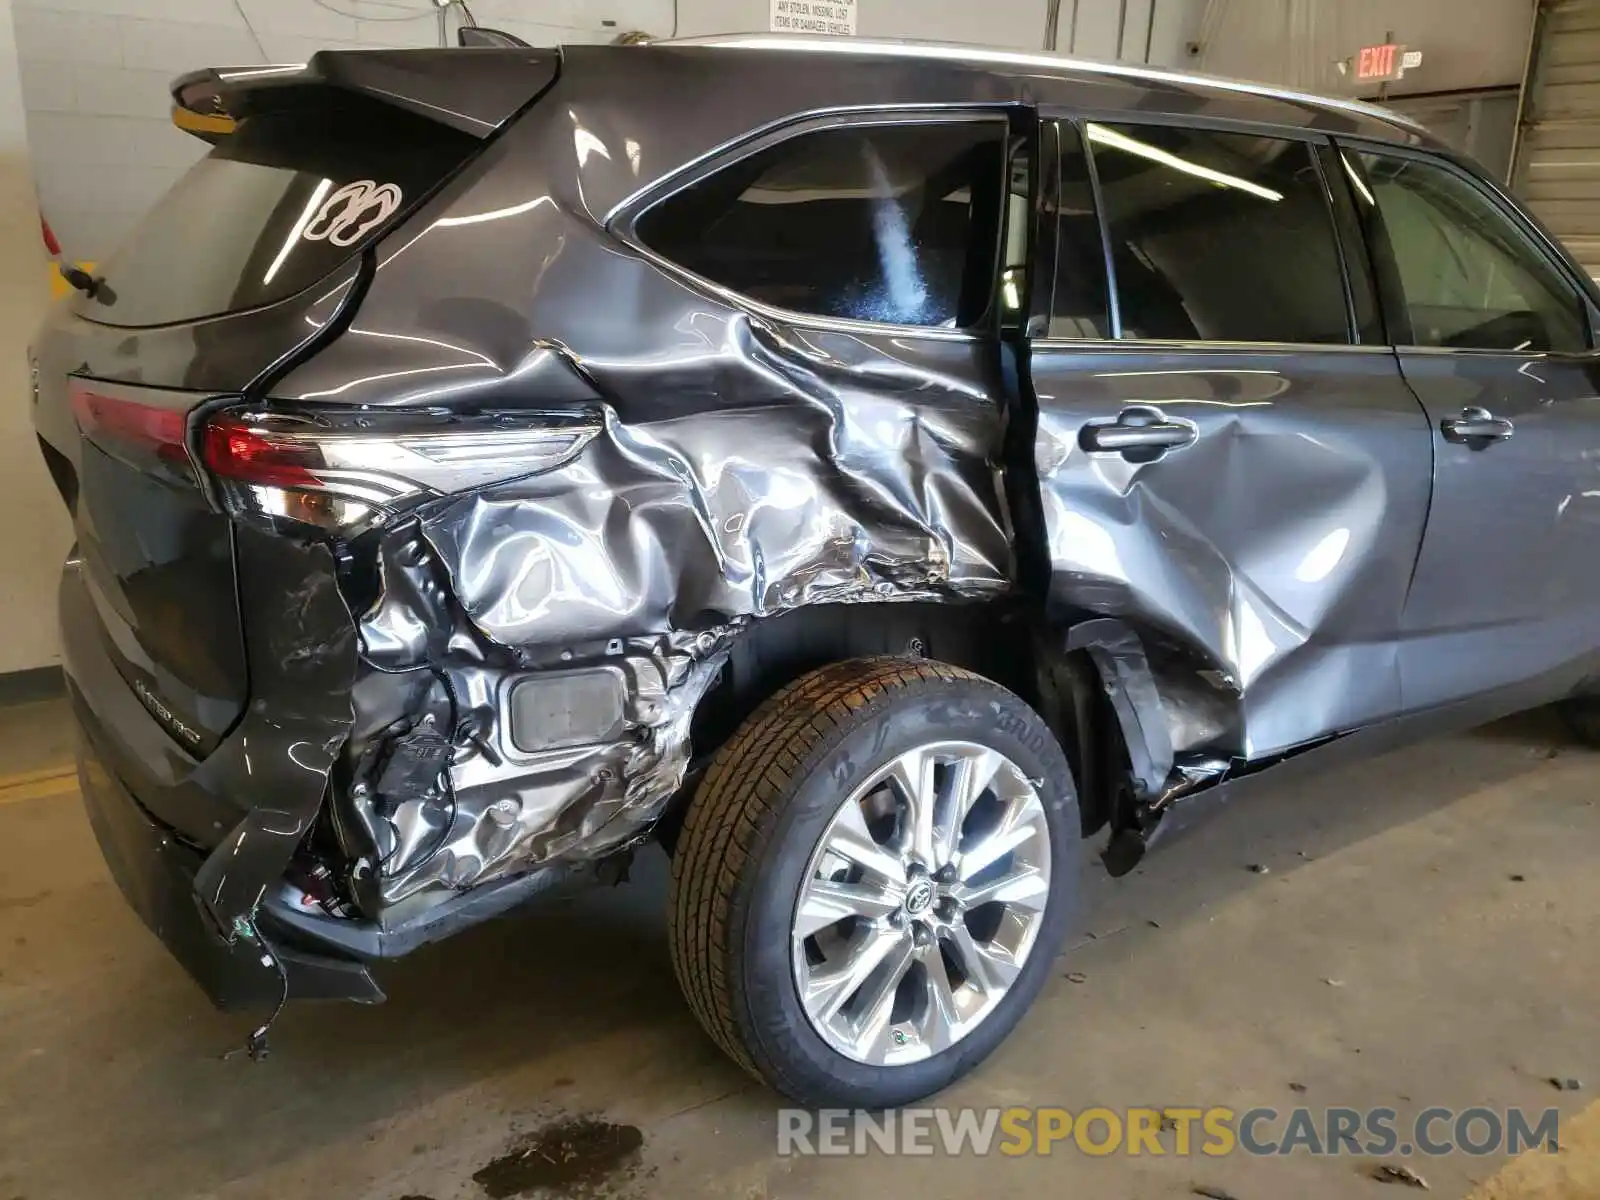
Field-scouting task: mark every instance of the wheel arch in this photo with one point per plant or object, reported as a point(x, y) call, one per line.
point(1090, 679)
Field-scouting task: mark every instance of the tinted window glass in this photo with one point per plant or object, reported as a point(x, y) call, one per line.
point(275, 207)
point(895, 223)
point(1219, 236)
point(1079, 309)
point(1471, 278)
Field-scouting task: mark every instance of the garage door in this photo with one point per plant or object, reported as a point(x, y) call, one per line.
point(1558, 160)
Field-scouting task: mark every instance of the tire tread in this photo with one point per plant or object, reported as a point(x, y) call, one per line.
point(732, 815)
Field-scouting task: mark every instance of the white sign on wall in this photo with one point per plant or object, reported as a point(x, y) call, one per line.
point(837, 17)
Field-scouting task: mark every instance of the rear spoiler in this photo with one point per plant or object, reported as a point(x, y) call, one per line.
point(475, 91)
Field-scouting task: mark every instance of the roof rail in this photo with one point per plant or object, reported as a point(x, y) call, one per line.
point(953, 52)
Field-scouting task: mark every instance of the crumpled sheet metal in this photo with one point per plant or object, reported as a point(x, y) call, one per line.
point(581, 804)
point(302, 652)
point(1267, 561)
point(721, 515)
point(513, 811)
point(647, 550)
point(567, 805)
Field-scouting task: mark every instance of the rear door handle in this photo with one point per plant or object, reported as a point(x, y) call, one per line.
point(1476, 427)
point(1141, 433)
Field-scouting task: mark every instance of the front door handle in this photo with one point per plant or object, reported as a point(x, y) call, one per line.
point(1476, 428)
point(1141, 433)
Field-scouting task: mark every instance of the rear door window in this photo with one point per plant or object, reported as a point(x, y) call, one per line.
point(887, 223)
point(1471, 278)
point(275, 207)
point(1219, 236)
point(1079, 307)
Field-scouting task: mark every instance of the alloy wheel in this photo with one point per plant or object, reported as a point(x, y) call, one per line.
point(921, 903)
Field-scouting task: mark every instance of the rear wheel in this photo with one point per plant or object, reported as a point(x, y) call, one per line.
point(873, 879)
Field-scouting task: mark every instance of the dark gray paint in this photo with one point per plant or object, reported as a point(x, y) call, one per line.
point(1276, 550)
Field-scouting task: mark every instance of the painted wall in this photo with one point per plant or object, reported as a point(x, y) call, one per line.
point(1465, 44)
point(33, 524)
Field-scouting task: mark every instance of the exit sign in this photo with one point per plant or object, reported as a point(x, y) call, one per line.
point(1386, 63)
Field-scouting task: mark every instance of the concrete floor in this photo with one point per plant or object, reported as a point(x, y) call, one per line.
point(1206, 983)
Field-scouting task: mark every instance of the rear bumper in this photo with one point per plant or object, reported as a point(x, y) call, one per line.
point(156, 873)
point(195, 845)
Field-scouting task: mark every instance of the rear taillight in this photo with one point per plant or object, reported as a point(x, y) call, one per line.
point(343, 471)
point(234, 449)
point(144, 427)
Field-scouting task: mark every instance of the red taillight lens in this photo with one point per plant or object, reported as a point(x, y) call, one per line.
point(236, 450)
point(344, 471)
point(121, 423)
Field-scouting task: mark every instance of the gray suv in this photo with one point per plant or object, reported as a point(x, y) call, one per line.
point(869, 470)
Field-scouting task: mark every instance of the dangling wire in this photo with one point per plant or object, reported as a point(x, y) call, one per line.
point(254, 36)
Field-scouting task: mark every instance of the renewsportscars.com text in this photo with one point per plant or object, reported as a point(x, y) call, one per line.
point(1179, 1131)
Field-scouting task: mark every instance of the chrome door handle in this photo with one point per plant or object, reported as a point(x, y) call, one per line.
point(1141, 433)
point(1476, 428)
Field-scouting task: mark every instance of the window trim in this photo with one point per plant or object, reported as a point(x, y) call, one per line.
point(1043, 278)
point(622, 222)
point(1585, 289)
point(1353, 241)
point(1103, 223)
point(1312, 139)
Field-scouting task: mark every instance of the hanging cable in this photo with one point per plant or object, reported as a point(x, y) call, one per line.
point(254, 36)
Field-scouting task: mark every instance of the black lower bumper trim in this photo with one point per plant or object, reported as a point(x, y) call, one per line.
point(156, 873)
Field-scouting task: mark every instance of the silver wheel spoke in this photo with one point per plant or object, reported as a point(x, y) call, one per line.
point(826, 902)
point(941, 1024)
point(989, 968)
point(1025, 887)
point(830, 987)
point(877, 1004)
point(913, 776)
point(851, 840)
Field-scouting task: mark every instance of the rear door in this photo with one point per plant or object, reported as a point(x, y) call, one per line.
point(1494, 337)
point(1227, 454)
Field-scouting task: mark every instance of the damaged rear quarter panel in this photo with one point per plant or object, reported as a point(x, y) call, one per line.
point(747, 464)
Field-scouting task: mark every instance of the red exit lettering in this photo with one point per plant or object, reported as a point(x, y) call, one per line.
point(1377, 62)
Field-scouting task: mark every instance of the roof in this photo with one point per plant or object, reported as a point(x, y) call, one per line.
point(1061, 66)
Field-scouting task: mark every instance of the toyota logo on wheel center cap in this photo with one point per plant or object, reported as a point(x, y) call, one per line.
point(919, 898)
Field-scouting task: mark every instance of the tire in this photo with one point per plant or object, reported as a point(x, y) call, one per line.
point(1581, 715)
point(752, 838)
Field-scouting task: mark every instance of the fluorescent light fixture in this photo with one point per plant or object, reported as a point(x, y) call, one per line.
point(1121, 141)
point(312, 205)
